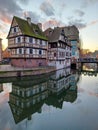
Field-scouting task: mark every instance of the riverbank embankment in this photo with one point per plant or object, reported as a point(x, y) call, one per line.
point(10, 71)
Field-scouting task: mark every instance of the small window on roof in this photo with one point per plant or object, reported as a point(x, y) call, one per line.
point(50, 32)
point(62, 32)
point(36, 31)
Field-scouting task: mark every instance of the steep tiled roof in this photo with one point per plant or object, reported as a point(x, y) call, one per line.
point(54, 34)
point(30, 30)
point(72, 32)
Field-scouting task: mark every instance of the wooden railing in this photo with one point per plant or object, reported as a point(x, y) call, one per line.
point(87, 60)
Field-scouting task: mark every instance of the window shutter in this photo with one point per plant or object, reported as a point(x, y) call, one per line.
point(17, 51)
point(21, 39)
point(27, 50)
point(22, 50)
point(16, 40)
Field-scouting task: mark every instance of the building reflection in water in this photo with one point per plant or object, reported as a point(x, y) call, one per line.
point(1, 87)
point(28, 97)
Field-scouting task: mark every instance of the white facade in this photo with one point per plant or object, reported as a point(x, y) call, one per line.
point(68, 56)
point(60, 57)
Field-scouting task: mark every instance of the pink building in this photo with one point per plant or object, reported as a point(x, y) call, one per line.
point(27, 43)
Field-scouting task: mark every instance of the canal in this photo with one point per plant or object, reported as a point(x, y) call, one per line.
point(63, 100)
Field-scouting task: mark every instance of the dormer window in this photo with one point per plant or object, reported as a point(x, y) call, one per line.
point(62, 32)
point(50, 32)
point(36, 31)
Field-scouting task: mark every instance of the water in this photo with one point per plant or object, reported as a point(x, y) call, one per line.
point(64, 100)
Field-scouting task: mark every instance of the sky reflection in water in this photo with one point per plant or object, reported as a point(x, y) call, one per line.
point(73, 106)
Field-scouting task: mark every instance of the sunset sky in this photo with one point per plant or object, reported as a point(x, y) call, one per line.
point(53, 13)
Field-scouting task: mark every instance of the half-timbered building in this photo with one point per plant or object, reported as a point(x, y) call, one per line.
point(59, 48)
point(27, 43)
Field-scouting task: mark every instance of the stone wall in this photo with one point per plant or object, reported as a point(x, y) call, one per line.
point(9, 71)
point(28, 63)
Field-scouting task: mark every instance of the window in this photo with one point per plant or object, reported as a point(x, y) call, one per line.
point(14, 29)
point(50, 32)
point(58, 44)
point(30, 39)
point(18, 39)
point(31, 51)
point(40, 42)
point(66, 53)
point(43, 43)
point(20, 51)
point(36, 31)
point(34, 40)
point(54, 54)
point(40, 52)
point(53, 45)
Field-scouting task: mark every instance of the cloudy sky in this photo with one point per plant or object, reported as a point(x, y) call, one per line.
point(82, 13)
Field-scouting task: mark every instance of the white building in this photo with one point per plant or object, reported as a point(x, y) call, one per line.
point(59, 49)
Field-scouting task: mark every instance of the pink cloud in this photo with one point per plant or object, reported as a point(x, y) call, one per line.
point(5, 19)
point(52, 23)
point(93, 22)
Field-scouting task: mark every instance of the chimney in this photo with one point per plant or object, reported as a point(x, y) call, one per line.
point(40, 25)
point(29, 20)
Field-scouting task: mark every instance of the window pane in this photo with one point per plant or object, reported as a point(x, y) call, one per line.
point(15, 29)
point(30, 39)
point(20, 51)
point(18, 39)
point(40, 52)
point(31, 50)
